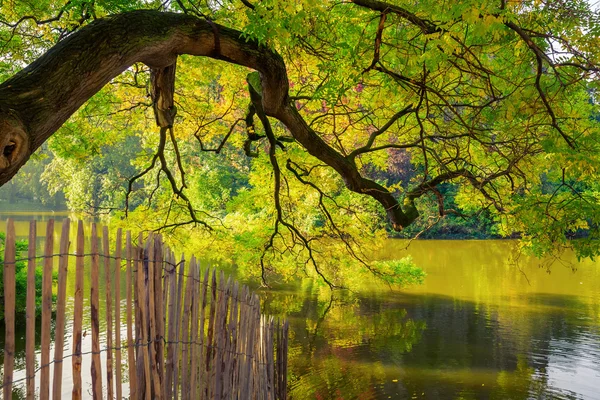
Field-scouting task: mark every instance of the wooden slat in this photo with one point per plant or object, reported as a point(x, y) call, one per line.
point(118, 378)
point(247, 343)
point(267, 343)
point(256, 377)
point(96, 369)
point(226, 342)
point(231, 339)
point(284, 360)
point(249, 347)
point(271, 361)
point(257, 366)
point(210, 350)
point(218, 349)
point(165, 294)
point(153, 323)
point(46, 312)
point(255, 346)
point(61, 300)
point(277, 339)
point(173, 320)
point(9, 306)
point(281, 378)
point(245, 383)
point(166, 276)
point(142, 284)
point(137, 255)
point(232, 358)
point(242, 341)
point(249, 350)
point(166, 279)
point(109, 322)
point(201, 349)
point(30, 313)
point(78, 313)
point(130, 340)
point(262, 372)
point(194, 327)
point(166, 283)
point(239, 327)
point(185, 336)
point(178, 318)
point(220, 335)
point(160, 325)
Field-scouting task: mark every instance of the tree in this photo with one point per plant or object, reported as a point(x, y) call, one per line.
point(498, 97)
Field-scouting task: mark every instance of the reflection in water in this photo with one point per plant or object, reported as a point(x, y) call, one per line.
point(340, 346)
point(479, 328)
point(22, 230)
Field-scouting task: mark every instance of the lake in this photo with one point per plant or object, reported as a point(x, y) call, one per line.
point(480, 327)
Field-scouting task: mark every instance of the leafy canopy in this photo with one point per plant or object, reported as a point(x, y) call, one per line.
point(496, 98)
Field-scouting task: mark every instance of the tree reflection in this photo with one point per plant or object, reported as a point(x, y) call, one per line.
point(338, 340)
point(476, 330)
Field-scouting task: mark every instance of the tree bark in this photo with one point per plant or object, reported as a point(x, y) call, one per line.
point(38, 100)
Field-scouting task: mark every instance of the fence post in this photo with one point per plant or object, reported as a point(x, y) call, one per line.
point(78, 313)
point(203, 384)
point(166, 282)
point(46, 312)
point(108, 305)
point(194, 327)
point(185, 336)
point(282, 358)
point(61, 300)
point(9, 307)
point(119, 392)
point(133, 394)
point(178, 329)
point(142, 286)
point(30, 313)
point(232, 357)
point(172, 320)
point(159, 333)
point(96, 369)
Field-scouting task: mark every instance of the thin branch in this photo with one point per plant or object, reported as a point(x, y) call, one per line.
point(218, 149)
point(407, 110)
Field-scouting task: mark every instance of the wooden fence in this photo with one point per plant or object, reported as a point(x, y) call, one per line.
point(190, 334)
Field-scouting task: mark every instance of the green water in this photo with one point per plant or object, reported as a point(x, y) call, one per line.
point(480, 327)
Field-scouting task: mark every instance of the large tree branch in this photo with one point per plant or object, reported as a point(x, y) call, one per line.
point(425, 25)
point(38, 100)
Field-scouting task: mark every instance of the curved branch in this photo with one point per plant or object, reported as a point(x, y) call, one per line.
point(39, 99)
point(424, 25)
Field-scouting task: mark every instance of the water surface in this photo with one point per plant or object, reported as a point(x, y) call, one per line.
point(481, 327)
